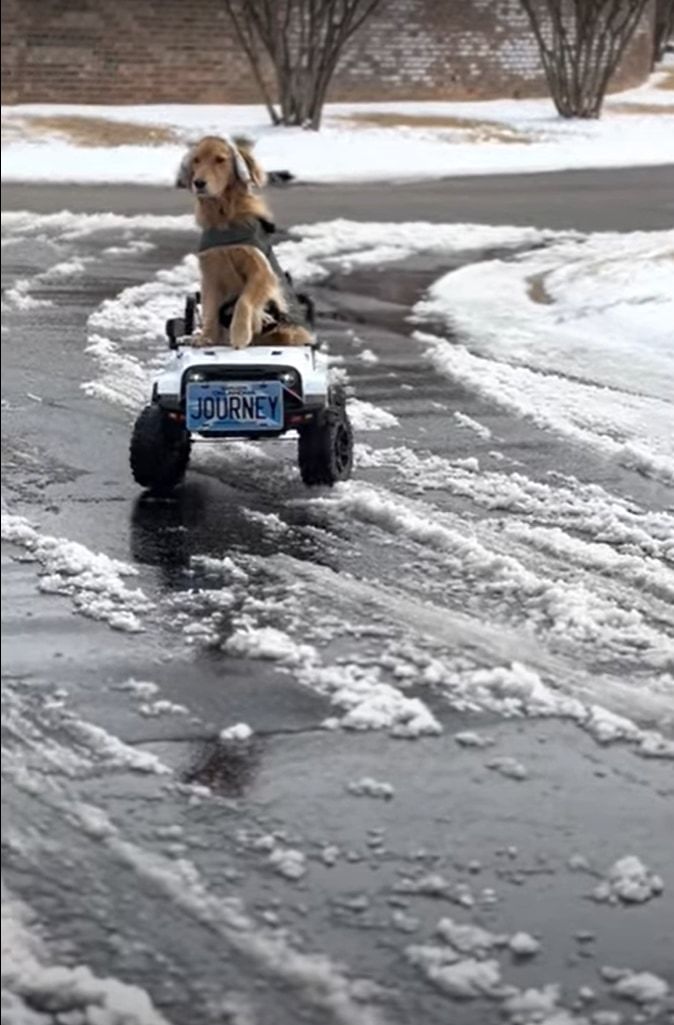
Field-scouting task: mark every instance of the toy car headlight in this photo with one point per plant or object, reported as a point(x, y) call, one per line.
point(195, 375)
point(289, 378)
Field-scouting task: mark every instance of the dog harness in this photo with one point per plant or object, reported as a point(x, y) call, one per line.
point(257, 232)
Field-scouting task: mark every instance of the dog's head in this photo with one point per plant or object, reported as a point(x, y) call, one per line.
point(215, 165)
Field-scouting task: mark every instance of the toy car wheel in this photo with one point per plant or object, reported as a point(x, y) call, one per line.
point(159, 450)
point(326, 448)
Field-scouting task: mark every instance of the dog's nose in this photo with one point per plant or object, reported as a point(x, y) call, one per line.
point(199, 184)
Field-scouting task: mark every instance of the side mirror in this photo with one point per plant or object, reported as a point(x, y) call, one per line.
point(175, 330)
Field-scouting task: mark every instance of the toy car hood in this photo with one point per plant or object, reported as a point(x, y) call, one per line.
point(309, 362)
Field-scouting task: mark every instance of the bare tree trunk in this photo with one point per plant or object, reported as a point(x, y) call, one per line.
point(581, 43)
point(247, 40)
point(664, 28)
point(302, 41)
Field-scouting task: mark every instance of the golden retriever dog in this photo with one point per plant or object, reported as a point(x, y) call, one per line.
point(238, 267)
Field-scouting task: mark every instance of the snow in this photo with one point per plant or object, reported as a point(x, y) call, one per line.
point(468, 939)
point(368, 787)
point(576, 337)
point(238, 732)
point(365, 416)
point(371, 704)
point(269, 644)
point(514, 136)
point(641, 988)
point(29, 981)
point(472, 425)
point(614, 525)
point(523, 945)
point(470, 738)
point(110, 750)
point(460, 979)
point(66, 226)
point(508, 767)
point(630, 881)
point(94, 582)
point(322, 983)
point(571, 610)
point(531, 1004)
point(288, 862)
point(343, 244)
point(152, 709)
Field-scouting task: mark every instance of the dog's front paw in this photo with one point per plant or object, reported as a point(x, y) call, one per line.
point(202, 341)
point(239, 341)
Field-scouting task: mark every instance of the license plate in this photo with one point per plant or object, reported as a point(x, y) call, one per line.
point(235, 406)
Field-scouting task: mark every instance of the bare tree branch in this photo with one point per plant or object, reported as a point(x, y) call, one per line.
point(300, 41)
point(581, 43)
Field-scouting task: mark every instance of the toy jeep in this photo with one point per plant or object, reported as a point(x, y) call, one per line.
point(260, 392)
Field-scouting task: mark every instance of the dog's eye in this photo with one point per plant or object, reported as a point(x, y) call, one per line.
point(219, 160)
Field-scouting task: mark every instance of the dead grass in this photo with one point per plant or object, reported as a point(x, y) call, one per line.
point(640, 108)
point(477, 130)
point(95, 131)
point(667, 81)
point(537, 291)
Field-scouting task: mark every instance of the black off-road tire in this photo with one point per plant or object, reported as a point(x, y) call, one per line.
point(325, 452)
point(159, 451)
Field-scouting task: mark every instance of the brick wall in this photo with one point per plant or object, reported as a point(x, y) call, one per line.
point(152, 51)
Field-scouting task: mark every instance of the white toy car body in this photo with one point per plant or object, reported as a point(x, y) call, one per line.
point(215, 393)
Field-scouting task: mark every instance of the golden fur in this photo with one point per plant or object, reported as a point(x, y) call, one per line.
point(213, 173)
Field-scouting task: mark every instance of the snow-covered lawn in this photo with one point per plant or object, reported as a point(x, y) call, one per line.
point(577, 337)
point(358, 142)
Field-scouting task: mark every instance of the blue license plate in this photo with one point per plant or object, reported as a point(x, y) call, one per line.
point(235, 406)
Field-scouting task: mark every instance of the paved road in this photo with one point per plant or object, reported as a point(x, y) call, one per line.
point(614, 200)
point(128, 863)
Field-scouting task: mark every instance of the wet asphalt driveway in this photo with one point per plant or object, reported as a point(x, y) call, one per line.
point(243, 880)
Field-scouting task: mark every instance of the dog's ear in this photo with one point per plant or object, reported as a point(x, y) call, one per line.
point(184, 174)
point(252, 170)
